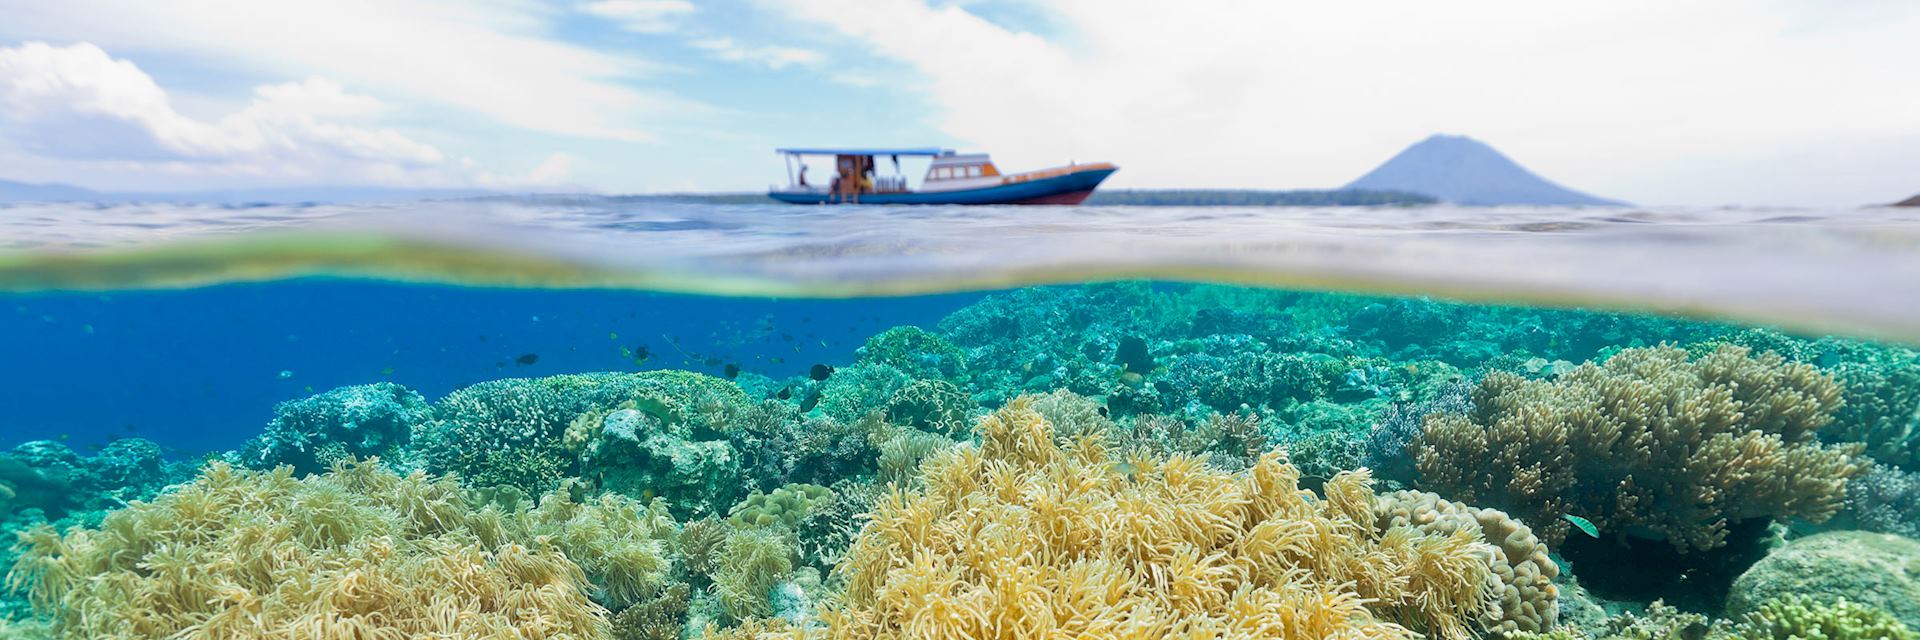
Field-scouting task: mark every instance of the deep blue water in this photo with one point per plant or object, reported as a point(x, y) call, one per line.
point(200, 369)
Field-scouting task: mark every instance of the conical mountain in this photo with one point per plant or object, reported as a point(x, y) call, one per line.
point(1909, 202)
point(1462, 170)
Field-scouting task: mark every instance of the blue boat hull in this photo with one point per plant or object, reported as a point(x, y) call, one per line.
point(1070, 188)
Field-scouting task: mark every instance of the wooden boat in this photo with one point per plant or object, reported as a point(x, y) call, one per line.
point(951, 178)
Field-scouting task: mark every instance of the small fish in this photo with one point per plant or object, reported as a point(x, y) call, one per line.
point(732, 371)
point(1585, 526)
point(286, 373)
point(386, 371)
point(527, 359)
point(784, 393)
point(613, 335)
point(786, 337)
point(819, 371)
point(711, 362)
point(776, 360)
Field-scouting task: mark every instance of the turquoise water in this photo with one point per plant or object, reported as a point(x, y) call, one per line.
point(596, 417)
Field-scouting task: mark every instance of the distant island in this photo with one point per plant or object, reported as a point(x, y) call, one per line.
point(1909, 202)
point(1258, 198)
point(1116, 198)
point(1465, 171)
point(11, 191)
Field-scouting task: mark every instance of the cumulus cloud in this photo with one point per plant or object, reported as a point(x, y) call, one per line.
point(498, 59)
point(77, 104)
point(1617, 98)
point(642, 16)
point(769, 56)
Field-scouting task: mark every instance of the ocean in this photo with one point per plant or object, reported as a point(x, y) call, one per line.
point(592, 417)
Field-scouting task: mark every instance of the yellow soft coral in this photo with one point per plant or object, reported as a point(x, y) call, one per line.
point(356, 553)
point(1026, 537)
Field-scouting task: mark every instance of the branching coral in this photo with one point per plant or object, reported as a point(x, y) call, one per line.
point(357, 553)
point(1021, 537)
point(1651, 440)
point(358, 421)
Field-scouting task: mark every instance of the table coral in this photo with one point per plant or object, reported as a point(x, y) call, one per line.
point(1648, 441)
point(1020, 537)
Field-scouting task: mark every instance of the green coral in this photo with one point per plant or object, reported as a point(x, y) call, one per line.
point(509, 432)
point(631, 451)
point(661, 618)
point(853, 392)
point(372, 420)
point(915, 352)
point(1804, 618)
point(932, 405)
point(782, 507)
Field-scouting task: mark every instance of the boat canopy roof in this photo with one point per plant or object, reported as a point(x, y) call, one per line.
point(858, 151)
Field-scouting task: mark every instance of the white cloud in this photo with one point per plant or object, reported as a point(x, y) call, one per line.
point(78, 108)
point(552, 171)
point(771, 57)
point(1616, 98)
point(642, 16)
point(496, 58)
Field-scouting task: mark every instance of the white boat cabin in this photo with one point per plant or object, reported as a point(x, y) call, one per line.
point(960, 171)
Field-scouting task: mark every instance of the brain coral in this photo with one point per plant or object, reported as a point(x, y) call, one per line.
point(1021, 537)
point(356, 553)
point(1648, 441)
point(1522, 571)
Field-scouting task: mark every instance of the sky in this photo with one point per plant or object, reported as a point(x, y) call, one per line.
point(1708, 102)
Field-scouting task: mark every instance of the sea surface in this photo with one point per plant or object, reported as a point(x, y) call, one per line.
point(217, 335)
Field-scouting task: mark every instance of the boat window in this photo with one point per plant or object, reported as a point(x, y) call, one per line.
point(973, 171)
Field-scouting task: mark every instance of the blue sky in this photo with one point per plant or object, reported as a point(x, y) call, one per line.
point(1708, 102)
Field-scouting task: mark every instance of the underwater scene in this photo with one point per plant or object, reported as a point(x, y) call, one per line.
point(658, 420)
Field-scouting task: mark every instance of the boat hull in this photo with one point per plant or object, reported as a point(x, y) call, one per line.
point(1071, 187)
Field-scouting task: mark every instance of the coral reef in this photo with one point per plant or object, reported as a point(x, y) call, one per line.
point(661, 618)
point(509, 432)
point(1883, 499)
point(358, 552)
point(1801, 617)
point(782, 507)
point(1020, 537)
point(1522, 574)
point(633, 452)
point(1870, 569)
point(915, 352)
point(750, 563)
point(310, 434)
point(931, 405)
point(1650, 441)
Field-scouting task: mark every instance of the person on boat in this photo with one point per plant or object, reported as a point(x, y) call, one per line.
point(803, 175)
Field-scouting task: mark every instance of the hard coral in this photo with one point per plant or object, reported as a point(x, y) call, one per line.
point(1021, 537)
point(917, 353)
point(1801, 617)
point(358, 421)
point(509, 432)
point(1651, 440)
point(356, 553)
point(1522, 573)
